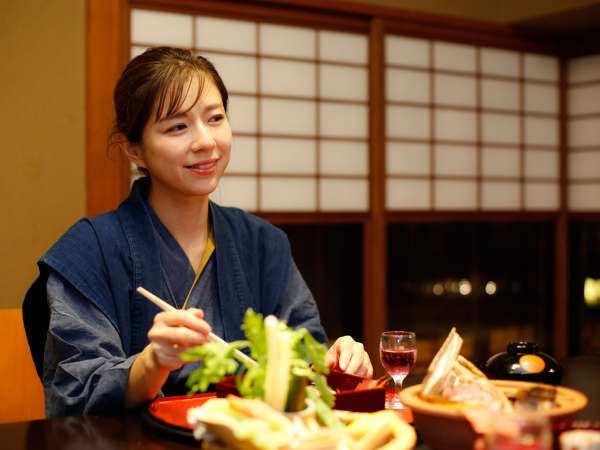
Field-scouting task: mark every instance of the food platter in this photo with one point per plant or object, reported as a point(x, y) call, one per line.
point(251, 424)
point(169, 414)
point(445, 426)
point(569, 401)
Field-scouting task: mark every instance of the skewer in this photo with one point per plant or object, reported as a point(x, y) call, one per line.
point(211, 336)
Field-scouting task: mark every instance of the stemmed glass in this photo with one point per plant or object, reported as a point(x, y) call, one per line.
point(398, 354)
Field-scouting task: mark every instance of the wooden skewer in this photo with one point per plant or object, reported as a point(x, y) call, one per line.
point(241, 356)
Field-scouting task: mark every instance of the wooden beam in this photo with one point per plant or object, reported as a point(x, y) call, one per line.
point(107, 180)
point(561, 235)
point(375, 231)
point(280, 12)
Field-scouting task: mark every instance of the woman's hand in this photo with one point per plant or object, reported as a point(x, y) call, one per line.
point(349, 356)
point(173, 333)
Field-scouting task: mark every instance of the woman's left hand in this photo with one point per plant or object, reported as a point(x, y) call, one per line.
point(349, 356)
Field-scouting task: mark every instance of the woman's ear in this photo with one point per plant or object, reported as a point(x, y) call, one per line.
point(133, 153)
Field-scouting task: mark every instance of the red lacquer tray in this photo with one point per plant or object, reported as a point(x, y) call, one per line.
point(169, 414)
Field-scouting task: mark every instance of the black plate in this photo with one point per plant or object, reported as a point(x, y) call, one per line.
point(180, 434)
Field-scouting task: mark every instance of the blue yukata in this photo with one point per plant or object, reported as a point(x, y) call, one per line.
point(86, 324)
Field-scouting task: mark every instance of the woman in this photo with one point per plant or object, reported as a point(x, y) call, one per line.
point(99, 346)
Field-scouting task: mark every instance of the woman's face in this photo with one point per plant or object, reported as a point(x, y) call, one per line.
point(187, 153)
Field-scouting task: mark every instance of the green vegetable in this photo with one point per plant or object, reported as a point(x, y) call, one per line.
point(296, 393)
point(219, 362)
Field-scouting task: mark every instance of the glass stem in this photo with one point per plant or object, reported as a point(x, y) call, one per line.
point(398, 379)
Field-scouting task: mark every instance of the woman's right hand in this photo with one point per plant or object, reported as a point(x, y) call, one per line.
point(173, 333)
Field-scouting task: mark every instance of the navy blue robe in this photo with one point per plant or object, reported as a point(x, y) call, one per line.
point(86, 324)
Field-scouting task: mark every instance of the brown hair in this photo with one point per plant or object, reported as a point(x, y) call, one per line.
point(159, 76)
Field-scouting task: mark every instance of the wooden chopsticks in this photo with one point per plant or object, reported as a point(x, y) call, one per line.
point(240, 356)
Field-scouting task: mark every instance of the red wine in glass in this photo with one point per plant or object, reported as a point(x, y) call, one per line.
point(398, 354)
point(398, 361)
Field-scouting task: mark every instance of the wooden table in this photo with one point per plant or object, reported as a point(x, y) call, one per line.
point(126, 432)
point(87, 433)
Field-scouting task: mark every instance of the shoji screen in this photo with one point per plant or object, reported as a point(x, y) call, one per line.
point(470, 128)
point(298, 108)
point(584, 133)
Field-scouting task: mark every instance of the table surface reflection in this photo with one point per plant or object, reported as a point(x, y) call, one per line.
point(92, 433)
point(88, 433)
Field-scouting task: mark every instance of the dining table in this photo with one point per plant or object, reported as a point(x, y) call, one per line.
point(119, 432)
point(89, 432)
point(134, 430)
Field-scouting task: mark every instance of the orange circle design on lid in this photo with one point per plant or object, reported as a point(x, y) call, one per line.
point(532, 363)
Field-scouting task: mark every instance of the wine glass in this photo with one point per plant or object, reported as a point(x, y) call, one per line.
point(398, 354)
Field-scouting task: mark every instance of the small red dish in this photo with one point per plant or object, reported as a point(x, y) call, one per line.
point(350, 393)
point(173, 410)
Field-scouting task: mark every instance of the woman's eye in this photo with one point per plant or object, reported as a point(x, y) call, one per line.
point(216, 118)
point(178, 127)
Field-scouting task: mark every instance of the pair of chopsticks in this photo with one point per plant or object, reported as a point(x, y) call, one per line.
point(240, 356)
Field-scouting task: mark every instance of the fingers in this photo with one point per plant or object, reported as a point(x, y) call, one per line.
point(350, 357)
point(359, 362)
point(174, 332)
point(192, 319)
point(331, 357)
point(166, 356)
point(176, 335)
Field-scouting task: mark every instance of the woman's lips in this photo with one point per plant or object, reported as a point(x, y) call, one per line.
point(204, 168)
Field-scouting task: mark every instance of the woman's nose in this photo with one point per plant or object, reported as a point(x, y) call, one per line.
point(202, 137)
